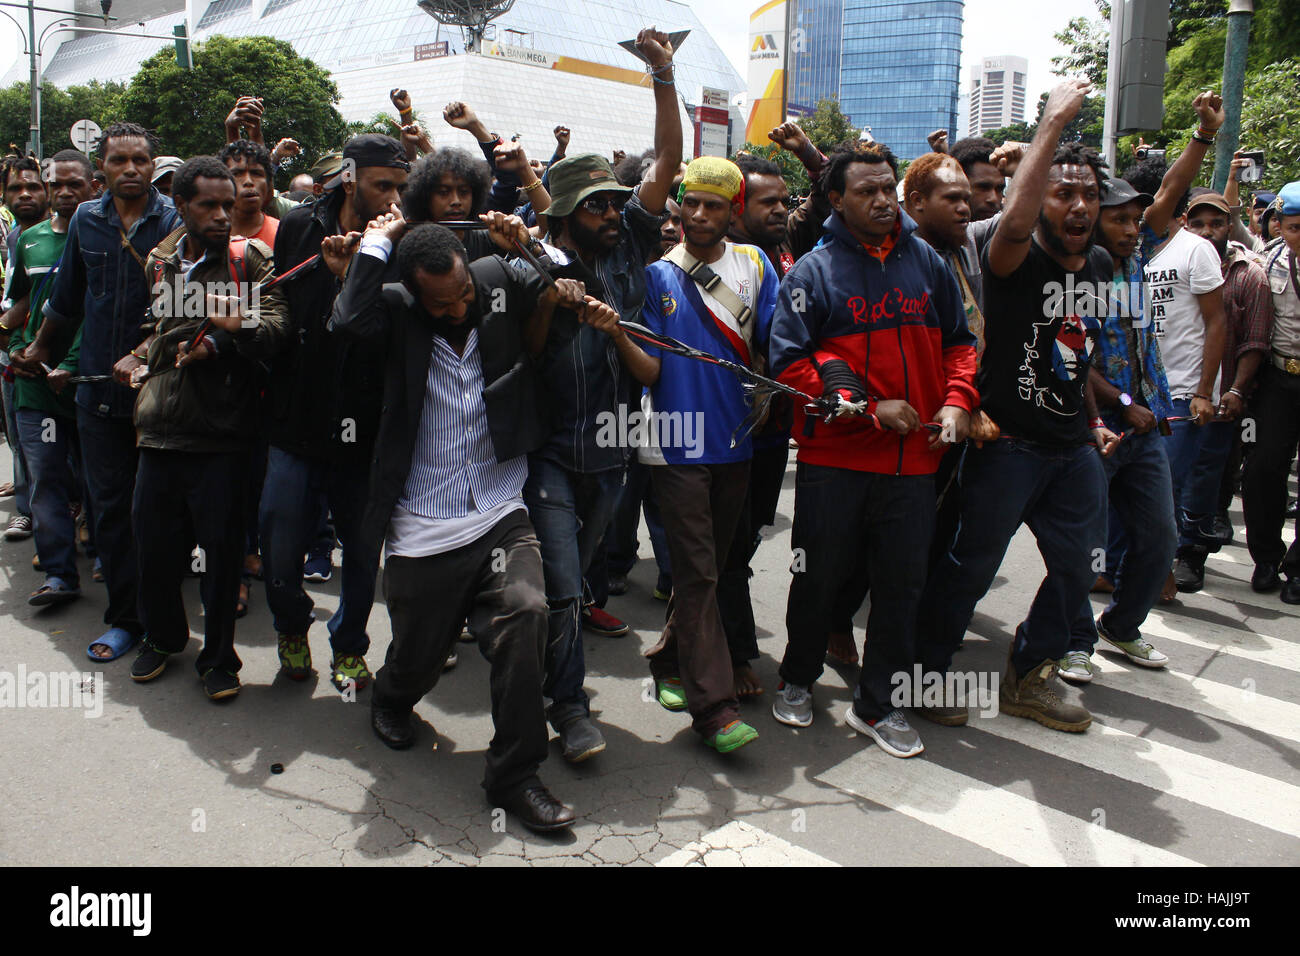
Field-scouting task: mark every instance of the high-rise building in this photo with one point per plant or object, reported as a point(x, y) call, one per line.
point(997, 93)
point(893, 65)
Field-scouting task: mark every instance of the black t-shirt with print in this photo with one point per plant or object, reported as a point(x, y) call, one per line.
point(1040, 333)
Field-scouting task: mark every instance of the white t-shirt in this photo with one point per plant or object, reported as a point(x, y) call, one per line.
point(1186, 267)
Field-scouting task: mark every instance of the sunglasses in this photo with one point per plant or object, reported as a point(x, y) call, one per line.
point(596, 205)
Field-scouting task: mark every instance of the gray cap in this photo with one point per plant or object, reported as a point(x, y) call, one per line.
point(162, 165)
point(1120, 191)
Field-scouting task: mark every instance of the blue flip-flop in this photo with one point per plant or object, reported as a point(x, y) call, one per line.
point(53, 591)
point(118, 640)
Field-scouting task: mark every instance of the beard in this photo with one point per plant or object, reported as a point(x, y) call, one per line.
point(1055, 242)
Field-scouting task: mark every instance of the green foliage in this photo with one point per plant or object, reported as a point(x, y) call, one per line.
point(1016, 132)
point(828, 126)
point(1085, 128)
point(792, 171)
point(187, 108)
point(59, 110)
point(1087, 41)
point(1270, 120)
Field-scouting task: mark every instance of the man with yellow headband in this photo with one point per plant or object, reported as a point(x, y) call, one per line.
point(716, 296)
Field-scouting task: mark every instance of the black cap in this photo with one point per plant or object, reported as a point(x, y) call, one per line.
point(1119, 192)
point(375, 149)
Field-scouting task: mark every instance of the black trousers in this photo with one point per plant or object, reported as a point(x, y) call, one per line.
point(840, 517)
point(181, 497)
point(1276, 410)
point(496, 584)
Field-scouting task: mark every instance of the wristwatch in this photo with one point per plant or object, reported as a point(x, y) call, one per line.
point(1125, 399)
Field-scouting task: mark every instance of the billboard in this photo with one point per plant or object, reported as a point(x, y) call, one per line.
point(766, 70)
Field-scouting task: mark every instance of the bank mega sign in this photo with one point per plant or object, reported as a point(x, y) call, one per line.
point(766, 70)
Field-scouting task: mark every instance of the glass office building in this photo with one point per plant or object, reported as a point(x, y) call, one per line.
point(894, 65)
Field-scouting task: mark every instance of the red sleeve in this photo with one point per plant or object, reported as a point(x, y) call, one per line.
point(959, 377)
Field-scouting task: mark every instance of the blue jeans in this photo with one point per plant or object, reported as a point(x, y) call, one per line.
point(289, 515)
point(47, 441)
point(1142, 500)
point(22, 486)
point(627, 517)
point(570, 512)
point(1060, 492)
point(1201, 490)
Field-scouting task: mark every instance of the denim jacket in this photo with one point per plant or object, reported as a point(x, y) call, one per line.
point(1113, 345)
point(102, 287)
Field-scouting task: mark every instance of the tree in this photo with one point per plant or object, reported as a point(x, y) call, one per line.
point(1016, 133)
point(828, 126)
point(1270, 120)
point(59, 110)
point(1088, 41)
point(187, 108)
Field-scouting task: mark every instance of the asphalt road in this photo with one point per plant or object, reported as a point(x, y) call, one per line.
point(1198, 764)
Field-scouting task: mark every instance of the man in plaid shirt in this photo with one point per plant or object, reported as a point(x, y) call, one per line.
point(1248, 309)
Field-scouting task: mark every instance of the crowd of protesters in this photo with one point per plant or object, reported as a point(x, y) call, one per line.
point(480, 372)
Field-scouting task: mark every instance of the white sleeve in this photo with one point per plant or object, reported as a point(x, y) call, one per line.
point(1205, 272)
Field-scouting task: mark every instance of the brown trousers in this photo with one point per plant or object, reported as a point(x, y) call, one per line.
point(700, 506)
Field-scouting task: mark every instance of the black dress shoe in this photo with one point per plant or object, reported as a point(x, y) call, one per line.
point(1223, 529)
point(1291, 590)
point(537, 809)
point(1265, 578)
point(393, 727)
point(580, 739)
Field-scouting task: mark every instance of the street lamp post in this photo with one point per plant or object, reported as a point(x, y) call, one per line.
point(1240, 15)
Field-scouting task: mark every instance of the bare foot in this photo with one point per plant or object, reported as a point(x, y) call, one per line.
point(1169, 593)
point(747, 682)
point(102, 651)
point(841, 649)
point(253, 566)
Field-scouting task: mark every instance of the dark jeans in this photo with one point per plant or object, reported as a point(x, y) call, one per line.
point(47, 442)
point(570, 512)
point(1201, 491)
point(1276, 410)
point(1060, 493)
point(1140, 495)
point(429, 600)
point(290, 513)
point(175, 492)
point(700, 505)
point(110, 459)
point(22, 481)
point(621, 543)
point(842, 517)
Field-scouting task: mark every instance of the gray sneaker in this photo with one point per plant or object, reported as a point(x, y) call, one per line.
point(893, 733)
point(1076, 667)
point(1139, 651)
point(793, 705)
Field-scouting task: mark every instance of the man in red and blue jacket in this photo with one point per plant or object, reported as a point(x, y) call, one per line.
point(874, 317)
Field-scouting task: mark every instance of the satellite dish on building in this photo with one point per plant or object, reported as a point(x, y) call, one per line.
point(85, 135)
point(472, 16)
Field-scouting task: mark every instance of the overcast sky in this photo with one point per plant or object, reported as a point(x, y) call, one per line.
point(993, 27)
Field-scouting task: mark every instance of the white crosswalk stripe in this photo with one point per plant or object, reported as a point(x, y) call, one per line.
point(998, 819)
point(1269, 650)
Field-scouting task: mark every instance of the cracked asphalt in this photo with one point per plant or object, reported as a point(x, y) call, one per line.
point(201, 774)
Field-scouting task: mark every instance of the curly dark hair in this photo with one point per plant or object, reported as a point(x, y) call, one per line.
point(1076, 154)
point(428, 172)
point(972, 150)
point(75, 156)
point(185, 183)
point(17, 164)
point(841, 158)
point(751, 165)
point(248, 150)
point(1147, 176)
point(632, 167)
point(122, 130)
point(430, 248)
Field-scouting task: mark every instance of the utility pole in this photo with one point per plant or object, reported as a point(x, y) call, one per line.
point(1240, 15)
point(1110, 123)
point(34, 134)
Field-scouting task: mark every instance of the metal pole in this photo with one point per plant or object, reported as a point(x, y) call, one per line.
point(1240, 15)
point(34, 135)
point(1110, 122)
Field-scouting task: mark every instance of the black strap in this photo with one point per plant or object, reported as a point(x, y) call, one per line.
point(1295, 280)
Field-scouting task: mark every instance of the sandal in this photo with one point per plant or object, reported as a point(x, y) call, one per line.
point(116, 639)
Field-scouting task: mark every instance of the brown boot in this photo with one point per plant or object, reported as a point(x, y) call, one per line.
point(948, 716)
point(1034, 696)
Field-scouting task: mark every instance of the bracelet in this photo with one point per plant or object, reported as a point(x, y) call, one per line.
point(1096, 423)
point(406, 114)
point(1204, 398)
point(138, 355)
point(1207, 133)
point(661, 68)
point(1236, 391)
point(535, 184)
point(661, 82)
point(1202, 140)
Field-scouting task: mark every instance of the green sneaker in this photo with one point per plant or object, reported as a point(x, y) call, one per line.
point(349, 670)
point(672, 696)
point(295, 656)
point(732, 737)
point(1140, 652)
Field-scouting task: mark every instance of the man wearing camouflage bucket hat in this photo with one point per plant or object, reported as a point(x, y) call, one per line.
point(601, 233)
